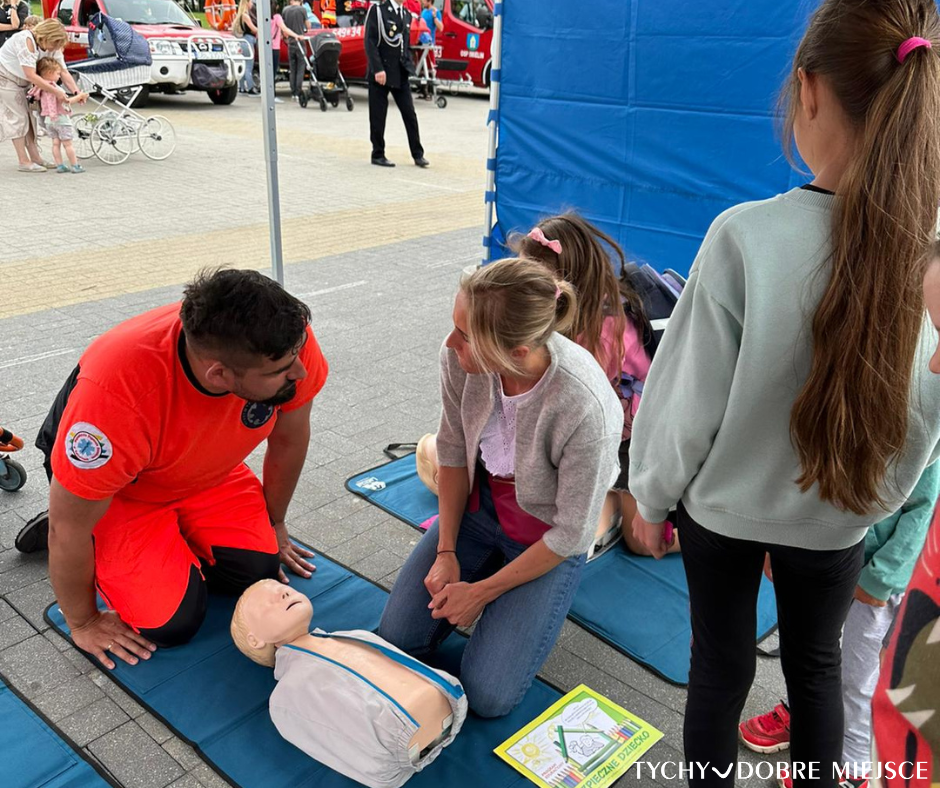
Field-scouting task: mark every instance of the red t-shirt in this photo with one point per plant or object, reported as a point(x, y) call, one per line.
point(137, 425)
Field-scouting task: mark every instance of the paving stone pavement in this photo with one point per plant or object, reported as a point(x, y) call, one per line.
point(381, 306)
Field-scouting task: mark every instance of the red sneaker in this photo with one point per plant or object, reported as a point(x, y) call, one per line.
point(767, 733)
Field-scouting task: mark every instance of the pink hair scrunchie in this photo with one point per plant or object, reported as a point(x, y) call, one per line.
point(915, 42)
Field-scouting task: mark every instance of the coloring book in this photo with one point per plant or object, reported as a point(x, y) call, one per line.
point(582, 740)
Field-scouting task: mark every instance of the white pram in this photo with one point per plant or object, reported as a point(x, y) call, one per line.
point(109, 129)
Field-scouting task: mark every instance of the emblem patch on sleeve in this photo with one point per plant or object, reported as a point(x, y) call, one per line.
point(256, 414)
point(86, 446)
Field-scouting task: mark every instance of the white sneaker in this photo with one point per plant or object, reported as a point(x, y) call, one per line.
point(278, 100)
point(294, 99)
point(31, 167)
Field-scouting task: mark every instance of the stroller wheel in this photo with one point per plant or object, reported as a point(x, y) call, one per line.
point(83, 128)
point(113, 140)
point(350, 103)
point(302, 99)
point(441, 102)
point(12, 474)
point(322, 104)
point(156, 138)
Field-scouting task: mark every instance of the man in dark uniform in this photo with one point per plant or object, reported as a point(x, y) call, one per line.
point(388, 48)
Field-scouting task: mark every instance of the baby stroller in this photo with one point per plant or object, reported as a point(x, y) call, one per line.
point(120, 61)
point(321, 56)
point(12, 474)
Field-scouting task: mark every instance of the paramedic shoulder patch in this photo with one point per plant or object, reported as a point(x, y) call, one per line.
point(86, 446)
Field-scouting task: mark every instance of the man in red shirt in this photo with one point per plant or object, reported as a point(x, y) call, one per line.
point(151, 503)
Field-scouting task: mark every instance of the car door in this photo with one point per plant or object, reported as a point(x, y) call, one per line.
point(464, 37)
point(78, 37)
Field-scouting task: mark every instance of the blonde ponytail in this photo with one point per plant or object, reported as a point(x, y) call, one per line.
point(511, 304)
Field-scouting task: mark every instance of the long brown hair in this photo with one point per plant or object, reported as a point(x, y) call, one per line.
point(586, 264)
point(851, 418)
point(515, 303)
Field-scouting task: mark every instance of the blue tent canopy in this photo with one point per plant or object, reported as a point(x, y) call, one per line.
point(648, 116)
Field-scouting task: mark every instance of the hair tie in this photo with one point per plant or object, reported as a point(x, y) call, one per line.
point(537, 235)
point(915, 42)
point(557, 289)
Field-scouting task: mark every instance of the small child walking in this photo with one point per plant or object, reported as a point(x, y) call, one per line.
point(57, 116)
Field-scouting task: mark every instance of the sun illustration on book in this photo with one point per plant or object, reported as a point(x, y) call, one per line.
point(534, 751)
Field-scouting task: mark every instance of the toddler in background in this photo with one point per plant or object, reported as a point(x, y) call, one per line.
point(57, 116)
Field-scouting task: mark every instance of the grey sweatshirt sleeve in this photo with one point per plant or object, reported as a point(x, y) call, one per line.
point(451, 444)
point(585, 474)
point(686, 393)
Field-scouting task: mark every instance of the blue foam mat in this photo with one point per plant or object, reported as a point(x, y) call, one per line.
point(638, 605)
point(217, 699)
point(34, 755)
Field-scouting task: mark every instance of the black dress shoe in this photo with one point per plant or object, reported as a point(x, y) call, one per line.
point(383, 162)
point(35, 534)
point(422, 162)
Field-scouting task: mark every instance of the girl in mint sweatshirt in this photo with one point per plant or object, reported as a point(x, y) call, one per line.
point(789, 406)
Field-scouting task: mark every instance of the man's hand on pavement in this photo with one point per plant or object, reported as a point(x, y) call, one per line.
point(105, 632)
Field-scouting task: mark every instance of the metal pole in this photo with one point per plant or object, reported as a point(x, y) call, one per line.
point(492, 122)
point(269, 125)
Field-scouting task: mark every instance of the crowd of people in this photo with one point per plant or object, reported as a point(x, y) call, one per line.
point(788, 424)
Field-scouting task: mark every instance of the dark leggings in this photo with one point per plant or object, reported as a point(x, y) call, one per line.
point(814, 590)
point(234, 570)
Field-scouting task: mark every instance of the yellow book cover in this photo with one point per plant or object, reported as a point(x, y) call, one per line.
point(582, 741)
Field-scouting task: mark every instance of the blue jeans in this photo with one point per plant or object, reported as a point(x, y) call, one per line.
point(247, 82)
point(514, 635)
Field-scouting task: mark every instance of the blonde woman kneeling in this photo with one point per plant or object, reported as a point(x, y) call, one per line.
point(527, 447)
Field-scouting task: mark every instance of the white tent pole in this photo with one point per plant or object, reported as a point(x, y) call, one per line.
point(492, 122)
point(269, 126)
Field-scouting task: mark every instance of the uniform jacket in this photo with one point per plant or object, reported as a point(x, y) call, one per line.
point(388, 44)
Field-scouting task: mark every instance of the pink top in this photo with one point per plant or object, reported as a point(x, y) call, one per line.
point(49, 104)
point(635, 363)
point(276, 32)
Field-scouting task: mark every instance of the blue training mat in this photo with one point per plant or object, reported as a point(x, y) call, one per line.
point(34, 755)
point(216, 699)
point(655, 630)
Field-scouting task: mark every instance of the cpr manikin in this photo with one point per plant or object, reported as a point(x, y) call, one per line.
point(348, 699)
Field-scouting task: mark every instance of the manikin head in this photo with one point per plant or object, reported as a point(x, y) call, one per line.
point(269, 614)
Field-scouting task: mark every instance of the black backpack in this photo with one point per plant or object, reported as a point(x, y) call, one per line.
point(659, 300)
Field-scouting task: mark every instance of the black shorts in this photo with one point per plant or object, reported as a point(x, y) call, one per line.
point(623, 480)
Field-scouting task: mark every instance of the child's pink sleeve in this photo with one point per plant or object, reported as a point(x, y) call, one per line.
point(636, 360)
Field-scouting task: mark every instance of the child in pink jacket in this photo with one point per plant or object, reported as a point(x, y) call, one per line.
point(57, 116)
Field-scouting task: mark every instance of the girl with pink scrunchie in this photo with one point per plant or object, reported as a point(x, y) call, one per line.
point(610, 326)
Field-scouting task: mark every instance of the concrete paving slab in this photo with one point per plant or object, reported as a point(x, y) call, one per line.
point(152, 767)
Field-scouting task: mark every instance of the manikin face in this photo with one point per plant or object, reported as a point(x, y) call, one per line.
point(276, 613)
